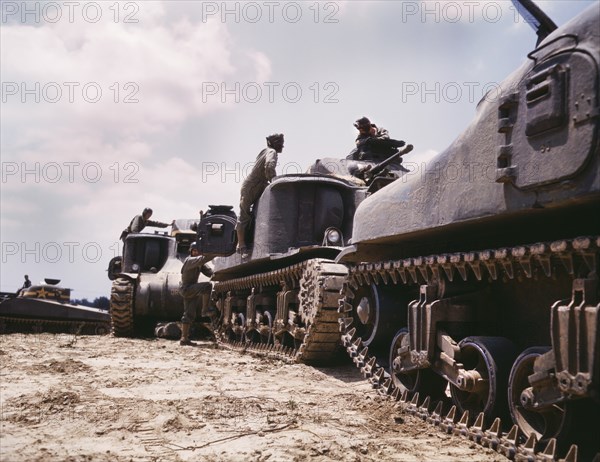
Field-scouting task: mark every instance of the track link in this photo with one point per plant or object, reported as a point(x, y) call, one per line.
point(121, 307)
point(494, 263)
point(314, 323)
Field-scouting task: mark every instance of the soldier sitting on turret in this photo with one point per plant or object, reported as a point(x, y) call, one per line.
point(26, 285)
point(373, 143)
point(255, 183)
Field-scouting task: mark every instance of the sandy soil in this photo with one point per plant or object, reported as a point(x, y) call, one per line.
point(80, 398)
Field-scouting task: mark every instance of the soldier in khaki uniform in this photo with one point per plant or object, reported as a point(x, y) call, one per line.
point(373, 143)
point(253, 186)
point(192, 291)
point(139, 222)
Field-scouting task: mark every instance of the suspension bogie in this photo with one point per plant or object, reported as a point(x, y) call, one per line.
point(293, 309)
point(470, 334)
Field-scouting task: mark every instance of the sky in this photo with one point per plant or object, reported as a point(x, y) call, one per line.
point(110, 107)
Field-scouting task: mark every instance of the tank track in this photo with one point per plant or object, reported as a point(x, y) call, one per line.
point(29, 325)
point(122, 295)
point(318, 283)
point(496, 263)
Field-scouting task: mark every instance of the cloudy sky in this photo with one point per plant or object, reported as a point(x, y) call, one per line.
point(110, 107)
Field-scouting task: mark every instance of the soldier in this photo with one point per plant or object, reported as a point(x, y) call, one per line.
point(26, 285)
point(253, 186)
point(193, 291)
point(139, 222)
point(373, 142)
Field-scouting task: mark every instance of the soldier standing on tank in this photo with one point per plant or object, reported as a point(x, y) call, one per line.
point(373, 142)
point(255, 183)
point(193, 291)
point(139, 222)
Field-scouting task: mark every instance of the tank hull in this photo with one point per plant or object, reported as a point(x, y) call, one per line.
point(146, 281)
point(479, 270)
point(51, 310)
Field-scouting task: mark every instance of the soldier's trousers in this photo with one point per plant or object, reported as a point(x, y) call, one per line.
point(250, 193)
point(192, 299)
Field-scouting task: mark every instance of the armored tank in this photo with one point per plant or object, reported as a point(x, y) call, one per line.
point(485, 288)
point(285, 294)
point(47, 307)
point(145, 287)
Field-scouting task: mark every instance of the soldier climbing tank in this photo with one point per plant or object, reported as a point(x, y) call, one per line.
point(487, 286)
point(284, 296)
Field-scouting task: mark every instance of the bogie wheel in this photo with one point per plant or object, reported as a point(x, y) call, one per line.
point(376, 316)
point(365, 313)
point(568, 421)
point(102, 329)
point(237, 332)
point(491, 358)
point(423, 381)
point(267, 319)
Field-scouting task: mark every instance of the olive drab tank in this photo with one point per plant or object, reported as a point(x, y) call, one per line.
point(284, 295)
point(487, 284)
point(145, 287)
point(47, 307)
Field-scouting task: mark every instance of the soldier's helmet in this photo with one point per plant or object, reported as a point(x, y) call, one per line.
point(362, 122)
point(275, 140)
point(147, 210)
point(194, 245)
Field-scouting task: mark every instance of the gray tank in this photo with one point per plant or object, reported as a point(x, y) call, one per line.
point(485, 281)
point(145, 287)
point(285, 295)
point(47, 307)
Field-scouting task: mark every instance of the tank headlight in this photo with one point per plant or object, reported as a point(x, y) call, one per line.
point(135, 267)
point(333, 236)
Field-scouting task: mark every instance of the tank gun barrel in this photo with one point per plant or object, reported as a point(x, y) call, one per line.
point(377, 169)
point(370, 172)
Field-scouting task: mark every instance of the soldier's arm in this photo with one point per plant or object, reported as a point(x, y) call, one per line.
point(206, 270)
point(382, 134)
point(194, 262)
point(157, 224)
point(270, 164)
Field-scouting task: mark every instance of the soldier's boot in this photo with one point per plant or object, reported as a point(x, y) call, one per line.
point(185, 335)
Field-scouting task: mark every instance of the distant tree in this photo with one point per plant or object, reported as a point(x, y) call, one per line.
point(102, 302)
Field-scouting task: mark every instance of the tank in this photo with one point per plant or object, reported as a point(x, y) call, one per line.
point(285, 294)
point(485, 288)
point(47, 307)
point(145, 279)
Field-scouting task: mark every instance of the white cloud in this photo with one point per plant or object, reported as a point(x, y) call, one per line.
point(161, 67)
point(162, 63)
point(185, 149)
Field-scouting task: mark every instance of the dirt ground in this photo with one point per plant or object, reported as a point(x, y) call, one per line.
point(99, 398)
